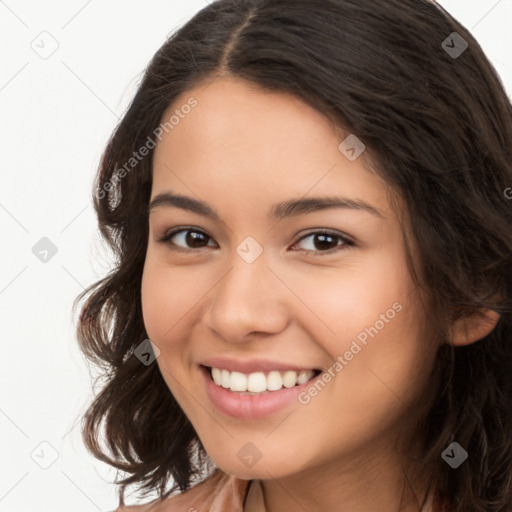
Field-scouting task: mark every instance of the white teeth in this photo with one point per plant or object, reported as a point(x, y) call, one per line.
point(238, 382)
point(217, 376)
point(258, 382)
point(274, 381)
point(289, 379)
point(225, 379)
point(302, 377)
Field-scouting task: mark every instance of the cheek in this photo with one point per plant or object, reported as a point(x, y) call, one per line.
point(372, 317)
point(163, 300)
point(339, 304)
point(169, 291)
point(163, 305)
point(153, 307)
point(385, 366)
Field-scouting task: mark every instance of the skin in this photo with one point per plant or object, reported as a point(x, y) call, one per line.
point(241, 150)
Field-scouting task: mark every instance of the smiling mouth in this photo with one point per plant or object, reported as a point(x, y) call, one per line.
point(259, 383)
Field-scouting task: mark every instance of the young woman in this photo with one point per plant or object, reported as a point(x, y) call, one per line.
point(310, 206)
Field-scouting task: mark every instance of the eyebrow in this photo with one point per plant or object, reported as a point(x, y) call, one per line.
point(279, 211)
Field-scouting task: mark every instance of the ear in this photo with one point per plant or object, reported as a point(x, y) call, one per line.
point(473, 327)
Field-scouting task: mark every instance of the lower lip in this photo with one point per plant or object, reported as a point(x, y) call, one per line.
point(250, 407)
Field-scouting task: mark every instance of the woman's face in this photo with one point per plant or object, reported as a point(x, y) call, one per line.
point(263, 278)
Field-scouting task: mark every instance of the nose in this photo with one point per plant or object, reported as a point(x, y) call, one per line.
point(249, 299)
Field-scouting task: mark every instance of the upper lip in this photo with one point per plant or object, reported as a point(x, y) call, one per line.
point(251, 366)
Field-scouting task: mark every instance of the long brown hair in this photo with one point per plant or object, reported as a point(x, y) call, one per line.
point(433, 114)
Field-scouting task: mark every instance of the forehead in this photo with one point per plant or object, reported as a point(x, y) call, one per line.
point(258, 143)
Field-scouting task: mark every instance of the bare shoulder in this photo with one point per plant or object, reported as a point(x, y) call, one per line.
point(148, 507)
point(198, 498)
point(178, 503)
point(191, 500)
point(167, 505)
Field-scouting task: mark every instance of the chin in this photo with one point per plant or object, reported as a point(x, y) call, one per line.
point(261, 470)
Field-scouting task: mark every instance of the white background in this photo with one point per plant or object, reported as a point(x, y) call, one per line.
point(56, 116)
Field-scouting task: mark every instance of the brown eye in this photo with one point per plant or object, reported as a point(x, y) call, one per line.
point(186, 239)
point(324, 242)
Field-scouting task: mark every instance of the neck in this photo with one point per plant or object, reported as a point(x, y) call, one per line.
point(378, 484)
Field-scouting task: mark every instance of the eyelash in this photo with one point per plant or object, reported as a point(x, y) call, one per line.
point(346, 242)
